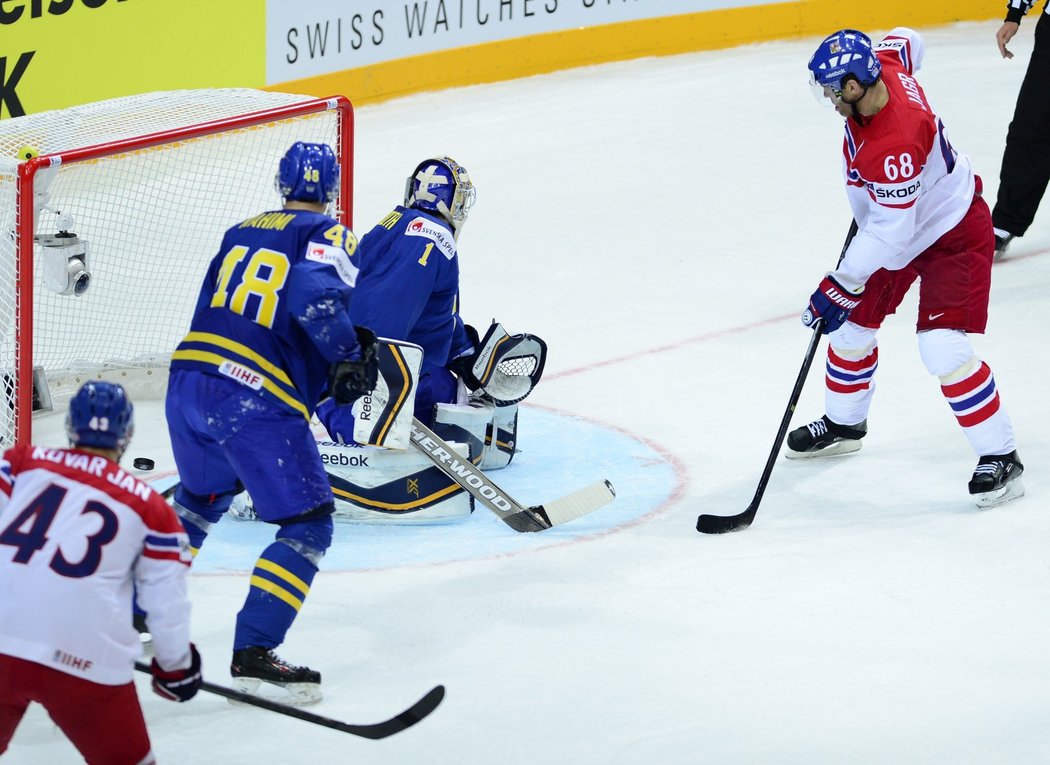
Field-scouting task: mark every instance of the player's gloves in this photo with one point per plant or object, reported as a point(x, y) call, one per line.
point(831, 302)
point(349, 380)
point(178, 684)
point(462, 366)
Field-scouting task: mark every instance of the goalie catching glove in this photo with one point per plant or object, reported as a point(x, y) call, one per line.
point(503, 368)
point(349, 380)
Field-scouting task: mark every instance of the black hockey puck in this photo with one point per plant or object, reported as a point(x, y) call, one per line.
point(143, 463)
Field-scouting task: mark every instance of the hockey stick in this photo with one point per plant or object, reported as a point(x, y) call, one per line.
point(509, 510)
point(395, 724)
point(720, 524)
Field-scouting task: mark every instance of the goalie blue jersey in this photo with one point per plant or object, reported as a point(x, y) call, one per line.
point(273, 309)
point(409, 285)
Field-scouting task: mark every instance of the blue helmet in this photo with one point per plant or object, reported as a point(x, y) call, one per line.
point(842, 54)
point(441, 186)
point(100, 415)
point(309, 172)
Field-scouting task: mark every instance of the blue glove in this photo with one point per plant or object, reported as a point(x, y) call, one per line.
point(831, 303)
point(178, 684)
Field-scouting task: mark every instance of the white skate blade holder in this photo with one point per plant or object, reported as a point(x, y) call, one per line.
point(296, 694)
point(843, 446)
point(1013, 490)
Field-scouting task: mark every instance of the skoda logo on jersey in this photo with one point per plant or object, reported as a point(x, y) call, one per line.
point(888, 193)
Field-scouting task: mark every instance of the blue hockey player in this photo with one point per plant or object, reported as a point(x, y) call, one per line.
point(271, 335)
point(410, 284)
point(409, 291)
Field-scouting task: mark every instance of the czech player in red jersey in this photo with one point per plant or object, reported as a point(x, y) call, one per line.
point(920, 216)
point(77, 532)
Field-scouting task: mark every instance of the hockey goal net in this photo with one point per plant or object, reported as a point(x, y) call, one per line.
point(136, 193)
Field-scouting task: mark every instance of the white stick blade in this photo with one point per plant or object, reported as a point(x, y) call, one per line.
point(579, 503)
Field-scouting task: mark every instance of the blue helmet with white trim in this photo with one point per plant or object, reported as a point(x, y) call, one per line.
point(101, 416)
point(309, 172)
point(846, 53)
point(441, 186)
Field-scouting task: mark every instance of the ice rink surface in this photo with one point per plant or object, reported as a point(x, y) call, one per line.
point(661, 224)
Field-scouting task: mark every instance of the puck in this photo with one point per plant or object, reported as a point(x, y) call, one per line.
point(143, 463)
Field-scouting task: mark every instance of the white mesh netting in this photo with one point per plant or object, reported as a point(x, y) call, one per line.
point(152, 219)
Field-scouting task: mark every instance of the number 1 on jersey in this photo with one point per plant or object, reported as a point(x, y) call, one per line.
point(426, 254)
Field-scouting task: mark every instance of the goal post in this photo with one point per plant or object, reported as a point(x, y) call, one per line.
point(109, 215)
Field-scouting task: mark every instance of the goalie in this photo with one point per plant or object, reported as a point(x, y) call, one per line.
point(467, 387)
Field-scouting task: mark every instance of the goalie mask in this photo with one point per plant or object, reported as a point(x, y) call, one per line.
point(443, 187)
point(309, 172)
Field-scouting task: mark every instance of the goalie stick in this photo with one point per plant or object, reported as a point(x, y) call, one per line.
point(374, 731)
point(510, 511)
point(720, 524)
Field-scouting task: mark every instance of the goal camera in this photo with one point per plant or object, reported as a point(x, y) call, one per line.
point(65, 262)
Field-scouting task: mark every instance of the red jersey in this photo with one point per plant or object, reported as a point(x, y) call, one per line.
point(75, 531)
point(907, 185)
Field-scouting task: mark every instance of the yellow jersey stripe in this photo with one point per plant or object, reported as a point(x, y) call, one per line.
point(240, 349)
point(207, 357)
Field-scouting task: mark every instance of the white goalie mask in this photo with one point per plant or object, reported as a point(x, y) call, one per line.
point(441, 186)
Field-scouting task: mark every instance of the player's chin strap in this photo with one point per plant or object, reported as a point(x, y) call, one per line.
point(507, 367)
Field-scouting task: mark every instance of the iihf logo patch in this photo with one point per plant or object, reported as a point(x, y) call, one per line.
point(835, 46)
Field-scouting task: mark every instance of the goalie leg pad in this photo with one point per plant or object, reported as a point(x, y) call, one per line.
point(382, 486)
point(492, 431)
point(502, 444)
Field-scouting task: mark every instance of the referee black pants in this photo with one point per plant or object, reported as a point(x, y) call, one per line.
point(1026, 160)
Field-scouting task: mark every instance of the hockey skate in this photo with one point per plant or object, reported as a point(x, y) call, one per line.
point(139, 622)
point(253, 666)
point(1002, 242)
point(824, 438)
point(997, 480)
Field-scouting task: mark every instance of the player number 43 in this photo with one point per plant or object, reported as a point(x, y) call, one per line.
point(27, 533)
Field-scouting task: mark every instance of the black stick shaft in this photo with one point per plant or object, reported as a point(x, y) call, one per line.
point(720, 524)
point(396, 724)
